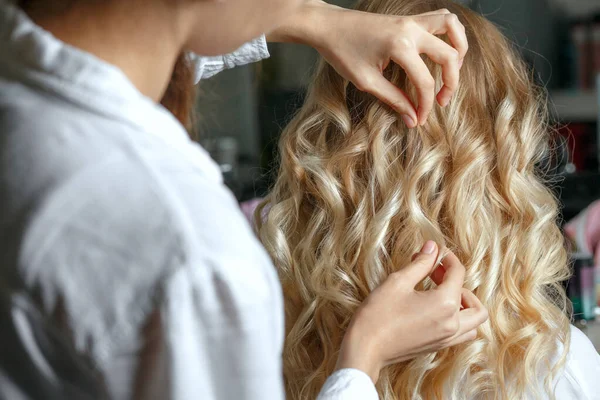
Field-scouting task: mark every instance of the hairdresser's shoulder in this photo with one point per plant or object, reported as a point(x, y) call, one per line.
point(133, 188)
point(581, 377)
point(120, 180)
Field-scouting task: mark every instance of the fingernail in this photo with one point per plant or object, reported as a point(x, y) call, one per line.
point(446, 101)
point(460, 63)
point(408, 120)
point(428, 247)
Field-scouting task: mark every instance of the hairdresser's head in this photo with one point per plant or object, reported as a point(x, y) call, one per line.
point(357, 193)
point(207, 27)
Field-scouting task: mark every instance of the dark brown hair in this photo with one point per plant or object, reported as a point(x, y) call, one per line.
point(179, 98)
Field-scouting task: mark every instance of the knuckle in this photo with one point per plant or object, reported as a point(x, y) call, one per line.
point(451, 86)
point(460, 267)
point(464, 292)
point(449, 307)
point(484, 315)
point(406, 23)
point(451, 83)
point(364, 82)
point(358, 83)
point(427, 83)
point(449, 328)
point(402, 43)
point(451, 19)
point(443, 11)
point(450, 57)
point(396, 278)
point(453, 55)
point(445, 342)
point(471, 335)
point(422, 261)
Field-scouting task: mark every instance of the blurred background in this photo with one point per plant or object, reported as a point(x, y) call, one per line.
point(242, 111)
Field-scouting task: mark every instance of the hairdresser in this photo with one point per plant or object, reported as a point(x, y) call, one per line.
point(127, 269)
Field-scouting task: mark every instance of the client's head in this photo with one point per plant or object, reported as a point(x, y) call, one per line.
point(358, 193)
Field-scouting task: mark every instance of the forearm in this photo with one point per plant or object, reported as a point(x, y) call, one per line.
point(307, 26)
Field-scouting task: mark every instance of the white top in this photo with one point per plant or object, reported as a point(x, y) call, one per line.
point(126, 267)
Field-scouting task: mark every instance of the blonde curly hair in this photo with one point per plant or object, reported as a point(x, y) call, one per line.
point(357, 194)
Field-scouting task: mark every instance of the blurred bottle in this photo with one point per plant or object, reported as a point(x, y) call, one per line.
point(581, 39)
point(226, 153)
point(581, 288)
point(581, 146)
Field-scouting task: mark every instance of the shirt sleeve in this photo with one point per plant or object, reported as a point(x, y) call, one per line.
point(250, 52)
point(348, 384)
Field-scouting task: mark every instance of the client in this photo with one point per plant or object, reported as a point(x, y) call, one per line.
point(357, 193)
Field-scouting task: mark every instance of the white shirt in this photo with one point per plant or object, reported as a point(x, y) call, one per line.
point(126, 267)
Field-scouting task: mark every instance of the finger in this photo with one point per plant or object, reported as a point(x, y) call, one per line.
point(421, 78)
point(437, 346)
point(436, 12)
point(474, 315)
point(454, 274)
point(438, 276)
point(470, 300)
point(445, 55)
point(376, 84)
point(463, 338)
point(439, 24)
point(421, 267)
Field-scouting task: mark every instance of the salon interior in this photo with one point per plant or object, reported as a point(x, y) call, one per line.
point(559, 39)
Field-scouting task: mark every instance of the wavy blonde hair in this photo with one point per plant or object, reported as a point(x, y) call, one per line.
point(358, 193)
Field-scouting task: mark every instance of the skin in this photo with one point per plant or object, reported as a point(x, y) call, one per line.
point(396, 322)
point(361, 45)
point(124, 33)
point(417, 322)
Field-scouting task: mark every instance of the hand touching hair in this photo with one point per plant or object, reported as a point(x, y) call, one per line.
point(357, 193)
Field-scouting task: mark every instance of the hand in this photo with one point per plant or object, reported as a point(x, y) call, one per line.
point(360, 46)
point(397, 323)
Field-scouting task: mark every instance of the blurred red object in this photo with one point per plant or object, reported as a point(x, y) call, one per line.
point(581, 37)
point(579, 141)
point(596, 48)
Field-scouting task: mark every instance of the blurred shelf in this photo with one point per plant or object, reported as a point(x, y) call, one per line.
point(574, 106)
point(579, 8)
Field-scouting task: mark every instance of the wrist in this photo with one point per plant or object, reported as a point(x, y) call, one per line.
point(305, 27)
point(357, 352)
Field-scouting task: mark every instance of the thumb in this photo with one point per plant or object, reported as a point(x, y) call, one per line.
point(423, 263)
